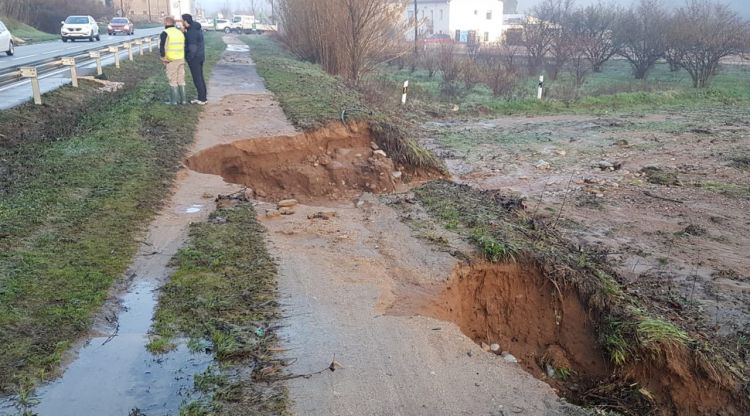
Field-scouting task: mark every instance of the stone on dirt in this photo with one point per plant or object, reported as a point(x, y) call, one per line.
point(323, 215)
point(495, 348)
point(271, 213)
point(286, 211)
point(374, 146)
point(485, 347)
point(396, 174)
point(542, 164)
point(379, 153)
point(249, 193)
point(508, 357)
point(286, 203)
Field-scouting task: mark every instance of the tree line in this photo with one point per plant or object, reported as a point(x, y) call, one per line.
point(351, 37)
point(694, 37)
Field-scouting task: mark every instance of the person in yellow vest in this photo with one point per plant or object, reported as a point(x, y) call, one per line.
point(172, 51)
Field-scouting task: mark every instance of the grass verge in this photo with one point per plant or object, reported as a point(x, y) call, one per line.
point(28, 33)
point(77, 188)
point(311, 98)
point(223, 293)
point(642, 344)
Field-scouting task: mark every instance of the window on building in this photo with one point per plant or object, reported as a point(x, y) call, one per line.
point(489, 14)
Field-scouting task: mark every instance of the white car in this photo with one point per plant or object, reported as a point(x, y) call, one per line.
point(6, 40)
point(79, 27)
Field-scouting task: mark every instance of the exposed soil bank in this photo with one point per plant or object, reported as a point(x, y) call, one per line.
point(331, 162)
point(526, 314)
point(555, 337)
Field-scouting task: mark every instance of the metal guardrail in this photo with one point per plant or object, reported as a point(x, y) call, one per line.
point(37, 69)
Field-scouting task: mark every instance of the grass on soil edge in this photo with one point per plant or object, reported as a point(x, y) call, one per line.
point(223, 297)
point(27, 33)
point(77, 187)
point(633, 336)
point(311, 99)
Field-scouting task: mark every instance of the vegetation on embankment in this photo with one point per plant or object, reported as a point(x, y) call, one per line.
point(612, 90)
point(658, 365)
point(311, 98)
point(25, 32)
point(223, 296)
point(81, 177)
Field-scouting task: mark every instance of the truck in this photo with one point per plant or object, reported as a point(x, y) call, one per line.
point(242, 24)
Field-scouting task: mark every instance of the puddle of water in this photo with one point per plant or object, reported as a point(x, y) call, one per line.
point(238, 48)
point(112, 376)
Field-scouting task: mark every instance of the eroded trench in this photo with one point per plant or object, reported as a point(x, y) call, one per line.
point(554, 336)
point(332, 163)
point(548, 328)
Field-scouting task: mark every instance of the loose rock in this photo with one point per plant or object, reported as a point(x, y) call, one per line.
point(379, 153)
point(286, 211)
point(286, 203)
point(542, 164)
point(495, 348)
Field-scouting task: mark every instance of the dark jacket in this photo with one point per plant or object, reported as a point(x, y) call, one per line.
point(195, 48)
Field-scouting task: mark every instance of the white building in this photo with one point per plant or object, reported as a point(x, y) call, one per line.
point(465, 21)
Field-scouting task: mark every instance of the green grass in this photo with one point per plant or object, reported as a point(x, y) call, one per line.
point(309, 96)
point(223, 293)
point(26, 32)
point(612, 90)
point(74, 201)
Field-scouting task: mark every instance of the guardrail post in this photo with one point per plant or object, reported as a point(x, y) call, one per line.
point(115, 50)
point(140, 46)
point(71, 62)
point(96, 55)
point(150, 44)
point(129, 46)
point(30, 72)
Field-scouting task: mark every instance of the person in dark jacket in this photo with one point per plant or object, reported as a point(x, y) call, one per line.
point(195, 54)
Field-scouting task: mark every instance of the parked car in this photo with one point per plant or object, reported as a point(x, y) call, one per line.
point(437, 39)
point(221, 25)
point(120, 25)
point(6, 40)
point(79, 27)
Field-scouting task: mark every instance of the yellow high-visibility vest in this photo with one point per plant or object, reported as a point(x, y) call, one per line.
point(174, 48)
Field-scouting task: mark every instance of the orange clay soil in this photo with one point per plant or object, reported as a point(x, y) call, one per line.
point(549, 327)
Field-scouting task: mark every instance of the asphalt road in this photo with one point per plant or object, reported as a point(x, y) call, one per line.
point(30, 53)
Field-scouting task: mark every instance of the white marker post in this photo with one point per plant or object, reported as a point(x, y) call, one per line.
point(403, 94)
point(71, 62)
point(541, 87)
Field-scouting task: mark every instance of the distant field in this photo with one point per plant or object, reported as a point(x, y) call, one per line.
point(26, 32)
point(614, 89)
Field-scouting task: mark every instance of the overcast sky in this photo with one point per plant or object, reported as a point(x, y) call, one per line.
point(742, 6)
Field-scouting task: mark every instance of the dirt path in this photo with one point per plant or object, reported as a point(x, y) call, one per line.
point(340, 276)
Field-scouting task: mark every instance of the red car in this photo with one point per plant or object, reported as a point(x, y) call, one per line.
point(438, 38)
point(120, 25)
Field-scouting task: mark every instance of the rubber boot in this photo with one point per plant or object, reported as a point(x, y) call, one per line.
point(172, 96)
point(183, 95)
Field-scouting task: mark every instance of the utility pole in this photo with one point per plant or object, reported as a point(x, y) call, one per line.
point(149, 11)
point(416, 30)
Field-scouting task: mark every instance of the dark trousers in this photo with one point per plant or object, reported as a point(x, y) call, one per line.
point(196, 70)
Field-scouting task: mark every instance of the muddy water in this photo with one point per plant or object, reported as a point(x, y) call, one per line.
point(112, 373)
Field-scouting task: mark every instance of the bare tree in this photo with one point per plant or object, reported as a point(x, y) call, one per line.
point(704, 31)
point(499, 70)
point(429, 61)
point(347, 37)
point(559, 12)
point(537, 38)
point(594, 27)
point(642, 32)
point(450, 68)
